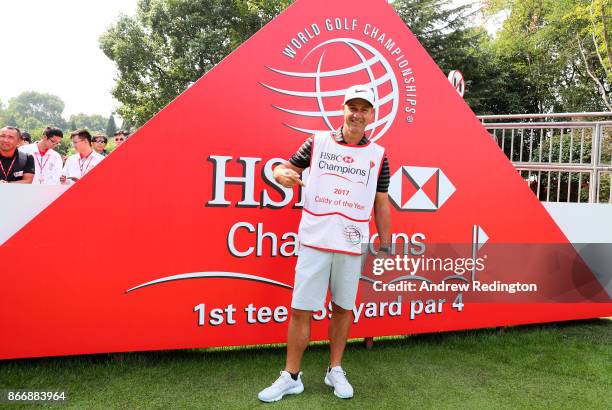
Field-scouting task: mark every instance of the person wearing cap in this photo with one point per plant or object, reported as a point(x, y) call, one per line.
point(47, 162)
point(348, 180)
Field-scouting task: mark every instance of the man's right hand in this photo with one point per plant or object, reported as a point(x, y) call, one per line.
point(287, 177)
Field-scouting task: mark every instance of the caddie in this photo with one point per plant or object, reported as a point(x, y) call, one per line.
point(348, 180)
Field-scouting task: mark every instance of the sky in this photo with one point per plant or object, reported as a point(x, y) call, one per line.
point(55, 48)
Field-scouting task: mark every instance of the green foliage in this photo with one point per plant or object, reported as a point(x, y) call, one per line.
point(32, 109)
point(169, 44)
point(94, 123)
point(492, 85)
point(559, 47)
point(126, 125)
point(11, 120)
point(65, 147)
point(36, 133)
point(111, 127)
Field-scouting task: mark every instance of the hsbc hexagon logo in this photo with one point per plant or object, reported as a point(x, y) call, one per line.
point(419, 189)
point(348, 159)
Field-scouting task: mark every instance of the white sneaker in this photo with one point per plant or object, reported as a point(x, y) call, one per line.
point(283, 385)
point(336, 378)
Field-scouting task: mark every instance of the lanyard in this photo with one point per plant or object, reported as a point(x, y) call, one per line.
point(6, 173)
point(82, 165)
point(40, 162)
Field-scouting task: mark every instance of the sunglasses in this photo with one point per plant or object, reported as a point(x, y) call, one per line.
point(100, 141)
point(119, 139)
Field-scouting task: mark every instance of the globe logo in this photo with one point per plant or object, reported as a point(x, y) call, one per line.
point(313, 98)
point(352, 234)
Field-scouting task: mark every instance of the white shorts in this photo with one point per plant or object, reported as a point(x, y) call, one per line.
point(317, 270)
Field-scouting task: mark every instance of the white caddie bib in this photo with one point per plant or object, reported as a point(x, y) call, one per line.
point(339, 194)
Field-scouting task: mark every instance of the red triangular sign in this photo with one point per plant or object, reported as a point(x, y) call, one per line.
point(180, 238)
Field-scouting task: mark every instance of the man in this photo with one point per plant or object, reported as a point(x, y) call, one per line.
point(99, 144)
point(48, 163)
point(15, 166)
point(119, 138)
point(349, 178)
point(83, 161)
point(25, 139)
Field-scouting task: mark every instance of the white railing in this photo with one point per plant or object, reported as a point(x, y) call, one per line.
point(562, 160)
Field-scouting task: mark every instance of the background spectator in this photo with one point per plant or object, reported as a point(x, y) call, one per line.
point(15, 166)
point(25, 139)
point(119, 138)
point(83, 161)
point(99, 142)
point(48, 162)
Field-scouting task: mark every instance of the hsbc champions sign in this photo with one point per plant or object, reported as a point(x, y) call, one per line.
point(204, 240)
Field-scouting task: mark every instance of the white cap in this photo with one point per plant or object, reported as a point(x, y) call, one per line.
point(359, 91)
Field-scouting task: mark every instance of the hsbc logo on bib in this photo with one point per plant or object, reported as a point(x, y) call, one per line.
point(310, 88)
point(348, 160)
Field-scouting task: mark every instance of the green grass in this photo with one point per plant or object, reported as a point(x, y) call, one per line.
point(563, 365)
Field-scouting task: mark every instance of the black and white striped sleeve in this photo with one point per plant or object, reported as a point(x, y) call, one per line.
point(301, 158)
point(384, 176)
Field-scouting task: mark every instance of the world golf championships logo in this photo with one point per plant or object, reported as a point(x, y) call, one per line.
point(314, 98)
point(352, 234)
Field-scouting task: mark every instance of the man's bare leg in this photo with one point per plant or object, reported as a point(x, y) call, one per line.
point(339, 326)
point(297, 339)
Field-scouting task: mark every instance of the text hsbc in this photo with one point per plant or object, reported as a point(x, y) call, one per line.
point(246, 179)
point(331, 157)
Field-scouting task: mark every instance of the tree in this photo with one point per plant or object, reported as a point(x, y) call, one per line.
point(492, 85)
point(65, 146)
point(593, 25)
point(111, 127)
point(91, 122)
point(561, 49)
point(11, 120)
point(126, 125)
point(169, 44)
point(31, 108)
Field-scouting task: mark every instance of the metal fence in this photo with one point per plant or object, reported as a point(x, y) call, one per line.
point(565, 157)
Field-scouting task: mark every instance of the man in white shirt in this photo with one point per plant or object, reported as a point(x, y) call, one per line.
point(47, 162)
point(83, 161)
